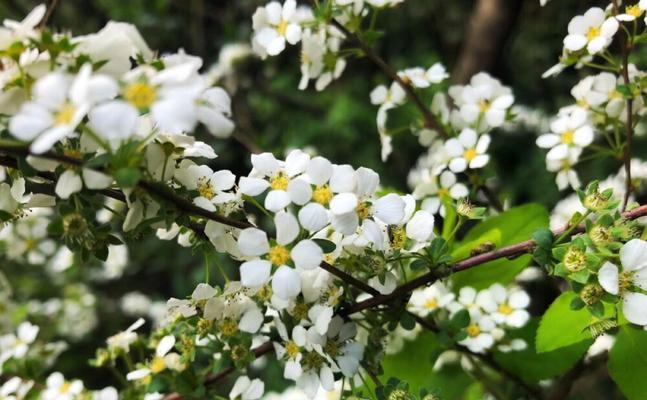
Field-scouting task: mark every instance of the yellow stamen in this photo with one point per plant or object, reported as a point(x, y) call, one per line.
point(65, 115)
point(158, 365)
point(505, 309)
point(279, 255)
point(363, 210)
point(140, 94)
point(484, 105)
point(280, 182)
point(470, 154)
point(634, 10)
point(592, 33)
point(282, 27)
point(431, 304)
point(205, 188)
point(322, 195)
point(567, 137)
point(473, 330)
point(292, 349)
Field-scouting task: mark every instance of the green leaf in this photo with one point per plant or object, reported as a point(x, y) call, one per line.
point(326, 245)
point(532, 366)
point(563, 326)
point(461, 319)
point(512, 226)
point(628, 362)
point(127, 177)
point(415, 362)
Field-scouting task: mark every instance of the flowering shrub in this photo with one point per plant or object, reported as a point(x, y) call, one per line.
point(341, 280)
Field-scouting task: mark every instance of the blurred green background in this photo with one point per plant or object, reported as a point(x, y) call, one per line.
point(273, 115)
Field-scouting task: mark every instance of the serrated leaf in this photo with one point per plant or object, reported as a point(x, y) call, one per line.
point(563, 326)
point(628, 362)
point(532, 366)
point(512, 226)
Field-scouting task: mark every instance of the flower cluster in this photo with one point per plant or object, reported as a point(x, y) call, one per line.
point(491, 311)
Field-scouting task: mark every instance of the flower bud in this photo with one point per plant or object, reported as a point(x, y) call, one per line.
point(600, 235)
point(574, 259)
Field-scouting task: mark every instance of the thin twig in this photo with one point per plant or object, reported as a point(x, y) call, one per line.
point(49, 13)
point(511, 251)
point(626, 47)
point(485, 358)
point(430, 120)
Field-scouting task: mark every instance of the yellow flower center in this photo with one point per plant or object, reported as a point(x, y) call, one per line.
point(582, 103)
point(473, 330)
point(158, 365)
point(363, 210)
point(625, 280)
point(592, 33)
point(443, 192)
point(140, 94)
point(282, 27)
point(65, 387)
point(205, 188)
point(567, 137)
point(292, 349)
point(322, 195)
point(65, 115)
point(431, 304)
point(280, 182)
point(397, 237)
point(470, 154)
point(331, 348)
point(228, 327)
point(575, 259)
point(634, 10)
point(505, 309)
point(484, 105)
point(279, 255)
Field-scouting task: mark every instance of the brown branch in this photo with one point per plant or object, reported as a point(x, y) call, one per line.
point(511, 251)
point(429, 120)
point(49, 13)
point(626, 47)
point(485, 358)
point(491, 19)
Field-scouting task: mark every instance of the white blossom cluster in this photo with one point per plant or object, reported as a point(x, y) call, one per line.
point(491, 311)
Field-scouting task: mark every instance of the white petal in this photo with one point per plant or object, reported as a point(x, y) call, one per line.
point(608, 277)
point(165, 345)
point(255, 273)
point(633, 255)
point(251, 321)
point(286, 282)
point(313, 217)
point(343, 203)
point(635, 308)
point(253, 242)
point(253, 186)
point(277, 200)
point(319, 170)
point(307, 254)
point(421, 226)
point(68, 183)
point(300, 191)
point(287, 227)
point(389, 208)
point(95, 180)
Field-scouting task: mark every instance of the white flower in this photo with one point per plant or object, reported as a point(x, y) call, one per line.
point(304, 254)
point(58, 106)
point(14, 31)
point(291, 350)
point(439, 188)
point(591, 30)
point(60, 389)
point(163, 359)
point(211, 186)
point(123, 340)
point(485, 99)
point(479, 334)
point(508, 307)
point(282, 177)
point(633, 12)
point(247, 389)
point(567, 131)
point(427, 300)
point(274, 25)
point(566, 175)
point(15, 389)
point(16, 346)
point(633, 257)
point(108, 393)
point(467, 152)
